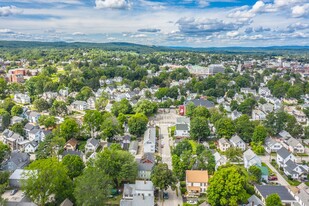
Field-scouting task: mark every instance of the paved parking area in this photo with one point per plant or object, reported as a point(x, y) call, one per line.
point(13, 198)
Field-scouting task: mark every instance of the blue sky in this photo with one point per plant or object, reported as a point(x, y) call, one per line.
point(195, 23)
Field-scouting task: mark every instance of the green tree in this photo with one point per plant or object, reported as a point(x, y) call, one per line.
point(273, 200)
point(16, 110)
point(92, 121)
point(182, 147)
point(138, 124)
point(246, 106)
point(201, 111)
point(163, 178)
point(244, 127)
point(18, 128)
point(233, 154)
point(41, 182)
point(6, 118)
point(69, 129)
point(47, 121)
point(74, 164)
point(199, 128)
point(227, 187)
point(258, 148)
point(93, 187)
point(295, 91)
point(110, 127)
point(189, 109)
point(118, 165)
point(59, 108)
point(123, 107)
point(41, 105)
point(146, 107)
point(259, 134)
point(84, 94)
point(225, 127)
point(4, 150)
point(3, 87)
point(255, 173)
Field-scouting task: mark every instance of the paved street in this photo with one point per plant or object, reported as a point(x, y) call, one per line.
point(164, 121)
point(281, 180)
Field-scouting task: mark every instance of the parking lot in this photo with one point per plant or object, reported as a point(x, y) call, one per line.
point(13, 198)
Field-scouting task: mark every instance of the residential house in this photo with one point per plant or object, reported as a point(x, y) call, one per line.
point(264, 91)
point(196, 182)
point(33, 117)
point(79, 105)
point(125, 143)
point(19, 175)
point(67, 202)
point(31, 147)
point(284, 135)
point(236, 141)
point(302, 194)
point(258, 115)
point(265, 190)
point(15, 120)
point(248, 91)
point(71, 144)
point(235, 114)
point(271, 145)
point(283, 156)
point(251, 159)
point(255, 201)
point(150, 140)
point(29, 127)
point(267, 108)
point(223, 144)
point(92, 145)
point(11, 139)
point(17, 160)
point(145, 166)
point(140, 193)
point(91, 103)
point(64, 92)
point(182, 131)
point(133, 147)
point(22, 98)
point(200, 102)
point(300, 116)
point(49, 95)
point(44, 134)
point(265, 173)
point(295, 171)
point(35, 135)
point(294, 145)
point(220, 160)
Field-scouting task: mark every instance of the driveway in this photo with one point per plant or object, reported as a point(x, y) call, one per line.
point(164, 121)
point(281, 180)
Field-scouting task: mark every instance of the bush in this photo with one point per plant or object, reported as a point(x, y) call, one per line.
point(183, 190)
point(183, 184)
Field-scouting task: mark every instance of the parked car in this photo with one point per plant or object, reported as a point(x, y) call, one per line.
point(165, 195)
point(13, 192)
point(272, 178)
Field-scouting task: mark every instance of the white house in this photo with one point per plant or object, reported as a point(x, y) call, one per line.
point(31, 147)
point(271, 145)
point(22, 98)
point(35, 135)
point(264, 91)
point(220, 160)
point(283, 156)
point(294, 145)
point(236, 141)
point(92, 145)
point(196, 182)
point(223, 144)
point(235, 114)
point(182, 130)
point(251, 159)
point(150, 140)
point(79, 105)
point(258, 115)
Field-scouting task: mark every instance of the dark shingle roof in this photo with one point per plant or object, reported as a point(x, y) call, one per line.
point(282, 191)
point(182, 127)
point(283, 152)
point(201, 102)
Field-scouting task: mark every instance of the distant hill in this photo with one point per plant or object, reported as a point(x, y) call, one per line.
point(124, 46)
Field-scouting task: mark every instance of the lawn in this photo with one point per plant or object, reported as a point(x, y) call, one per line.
point(114, 200)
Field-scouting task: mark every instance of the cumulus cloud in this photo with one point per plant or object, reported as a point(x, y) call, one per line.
point(138, 36)
point(196, 27)
point(232, 33)
point(300, 10)
point(150, 30)
point(113, 4)
point(9, 10)
point(203, 3)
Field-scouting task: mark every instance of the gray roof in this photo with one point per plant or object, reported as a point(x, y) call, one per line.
point(249, 154)
point(283, 152)
point(282, 191)
point(201, 102)
point(29, 126)
point(93, 141)
point(182, 120)
point(19, 159)
point(150, 135)
point(292, 142)
point(144, 185)
point(133, 145)
point(147, 162)
point(223, 141)
point(284, 134)
point(34, 131)
point(66, 202)
point(235, 139)
point(183, 127)
point(254, 199)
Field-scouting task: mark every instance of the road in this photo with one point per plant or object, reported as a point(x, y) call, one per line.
point(164, 121)
point(281, 180)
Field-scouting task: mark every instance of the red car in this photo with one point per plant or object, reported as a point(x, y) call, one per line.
point(272, 178)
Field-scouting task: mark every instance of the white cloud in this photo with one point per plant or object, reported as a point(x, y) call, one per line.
point(78, 34)
point(232, 33)
point(203, 3)
point(9, 10)
point(6, 31)
point(300, 11)
point(113, 4)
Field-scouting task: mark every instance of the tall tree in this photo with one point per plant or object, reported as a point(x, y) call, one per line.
point(146, 107)
point(69, 129)
point(138, 124)
point(92, 121)
point(4, 150)
point(225, 127)
point(273, 200)
point(259, 134)
point(41, 105)
point(123, 107)
point(162, 177)
point(16, 110)
point(244, 127)
point(41, 182)
point(92, 188)
point(227, 187)
point(74, 164)
point(199, 128)
point(201, 111)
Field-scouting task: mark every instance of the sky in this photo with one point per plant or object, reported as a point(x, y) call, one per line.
point(192, 23)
